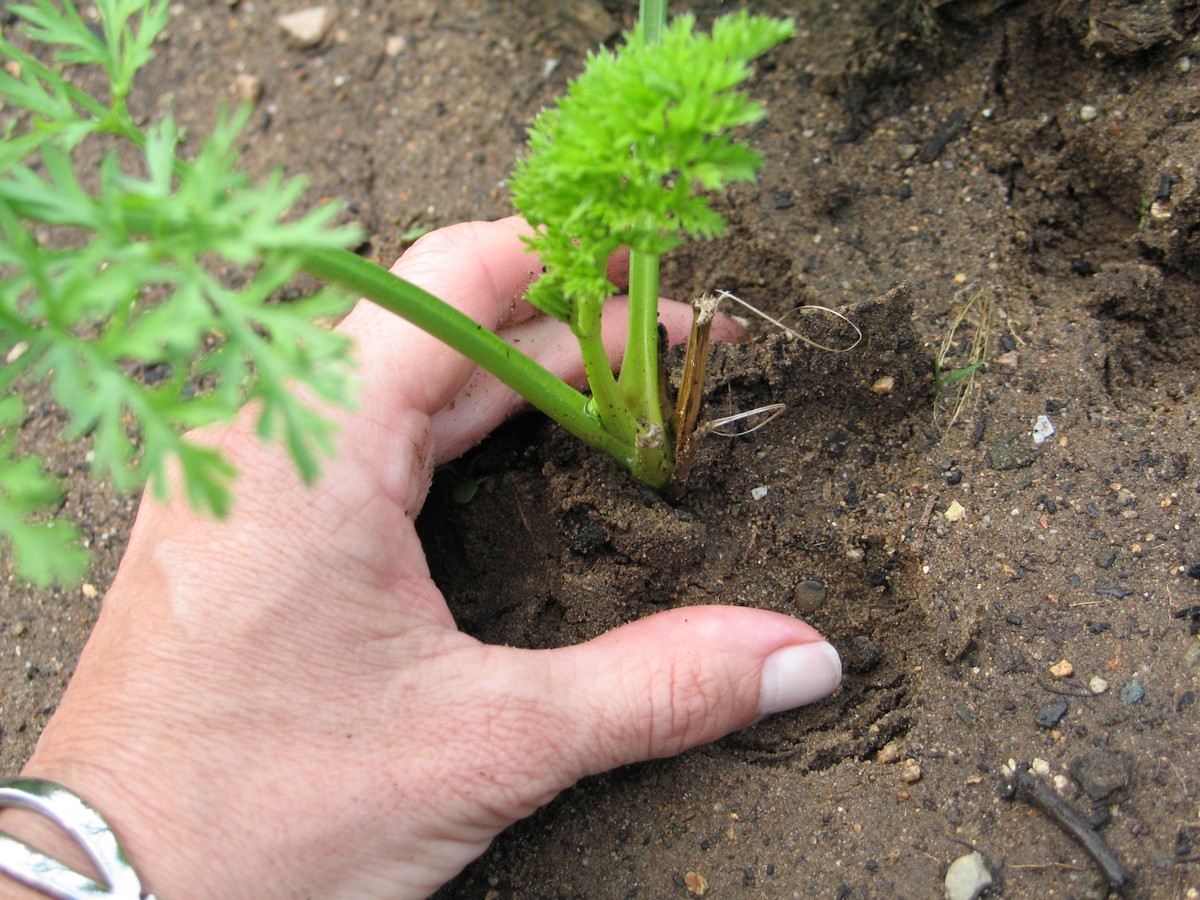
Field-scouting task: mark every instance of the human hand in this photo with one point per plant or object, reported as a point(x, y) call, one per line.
point(279, 704)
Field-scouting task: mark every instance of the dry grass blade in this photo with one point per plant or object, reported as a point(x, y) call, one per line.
point(956, 386)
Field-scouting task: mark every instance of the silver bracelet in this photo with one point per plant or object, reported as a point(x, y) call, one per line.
point(84, 825)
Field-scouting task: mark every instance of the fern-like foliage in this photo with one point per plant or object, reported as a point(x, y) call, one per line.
point(169, 267)
point(626, 157)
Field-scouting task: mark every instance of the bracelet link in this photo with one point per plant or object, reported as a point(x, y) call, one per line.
point(85, 826)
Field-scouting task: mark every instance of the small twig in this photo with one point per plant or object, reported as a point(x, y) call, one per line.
point(1069, 688)
point(1037, 793)
point(926, 516)
point(1049, 865)
point(691, 392)
point(725, 295)
point(764, 414)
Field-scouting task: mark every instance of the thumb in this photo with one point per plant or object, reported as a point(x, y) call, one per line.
point(681, 678)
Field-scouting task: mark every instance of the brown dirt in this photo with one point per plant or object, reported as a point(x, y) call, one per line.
point(940, 145)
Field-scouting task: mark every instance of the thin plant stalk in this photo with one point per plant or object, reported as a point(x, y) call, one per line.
point(639, 378)
point(561, 402)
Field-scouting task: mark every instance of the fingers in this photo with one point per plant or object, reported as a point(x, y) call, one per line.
point(485, 402)
point(482, 269)
point(681, 678)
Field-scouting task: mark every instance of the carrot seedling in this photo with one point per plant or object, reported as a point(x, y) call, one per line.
point(110, 288)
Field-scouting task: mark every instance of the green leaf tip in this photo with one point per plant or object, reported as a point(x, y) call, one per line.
point(624, 157)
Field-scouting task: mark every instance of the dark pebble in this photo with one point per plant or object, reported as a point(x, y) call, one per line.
point(1102, 773)
point(1132, 692)
point(810, 596)
point(1099, 816)
point(1193, 571)
point(1106, 558)
point(1051, 714)
point(1007, 451)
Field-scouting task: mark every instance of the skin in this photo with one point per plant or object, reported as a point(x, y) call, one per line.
point(280, 705)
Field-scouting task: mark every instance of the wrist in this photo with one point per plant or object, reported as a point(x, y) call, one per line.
point(69, 827)
point(61, 846)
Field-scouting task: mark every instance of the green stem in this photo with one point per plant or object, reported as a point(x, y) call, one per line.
point(639, 380)
point(639, 368)
point(653, 16)
point(557, 399)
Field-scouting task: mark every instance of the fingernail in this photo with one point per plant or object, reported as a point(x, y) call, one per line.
point(796, 675)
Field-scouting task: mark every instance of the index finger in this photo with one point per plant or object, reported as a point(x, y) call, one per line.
point(481, 268)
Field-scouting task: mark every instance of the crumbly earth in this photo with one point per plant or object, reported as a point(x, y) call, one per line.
point(1042, 159)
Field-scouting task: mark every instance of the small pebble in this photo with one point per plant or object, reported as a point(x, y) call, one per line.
point(890, 753)
point(1132, 692)
point(89, 590)
point(884, 385)
point(810, 596)
point(910, 771)
point(1062, 669)
point(249, 88)
point(696, 883)
point(20, 629)
point(1097, 685)
point(1088, 113)
point(1040, 767)
point(395, 44)
point(1103, 773)
point(954, 511)
point(1043, 428)
point(759, 492)
point(967, 878)
point(307, 27)
point(1051, 714)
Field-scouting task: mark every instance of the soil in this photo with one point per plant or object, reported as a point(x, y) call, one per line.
point(1041, 158)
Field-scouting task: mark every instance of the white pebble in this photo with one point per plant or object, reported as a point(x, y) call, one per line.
point(1088, 113)
point(1042, 429)
point(395, 44)
point(1040, 767)
point(759, 492)
point(308, 27)
point(967, 878)
point(1097, 685)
